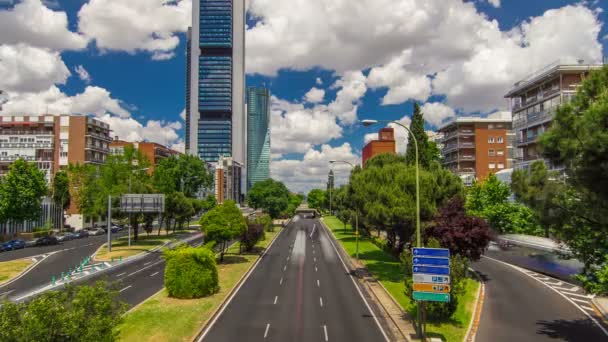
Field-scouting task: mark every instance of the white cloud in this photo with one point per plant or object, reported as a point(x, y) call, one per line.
point(315, 95)
point(129, 129)
point(369, 137)
point(136, 25)
point(495, 3)
point(83, 74)
point(183, 114)
point(319, 81)
point(31, 22)
point(311, 171)
point(296, 129)
point(162, 56)
point(179, 146)
point(29, 69)
point(94, 100)
point(436, 113)
point(353, 88)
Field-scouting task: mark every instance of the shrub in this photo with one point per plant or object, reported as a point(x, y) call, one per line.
point(190, 273)
point(253, 234)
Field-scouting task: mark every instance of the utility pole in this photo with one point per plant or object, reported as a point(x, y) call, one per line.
point(109, 223)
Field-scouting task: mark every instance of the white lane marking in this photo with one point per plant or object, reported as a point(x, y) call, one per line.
point(318, 284)
point(325, 330)
point(559, 283)
point(154, 264)
point(266, 332)
point(577, 295)
point(315, 268)
point(315, 259)
point(313, 251)
point(147, 263)
point(314, 227)
point(573, 289)
point(275, 299)
point(556, 291)
point(5, 293)
point(34, 259)
point(123, 273)
point(284, 268)
point(587, 308)
point(321, 301)
point(281, 281)
point(331, 241)
point(153, 274)
point(126, 288)
point(580, 300)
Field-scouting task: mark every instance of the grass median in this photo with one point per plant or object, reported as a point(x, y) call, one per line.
point(388, 270)
point(149, 321)
point(121, 248)
point(11, 269)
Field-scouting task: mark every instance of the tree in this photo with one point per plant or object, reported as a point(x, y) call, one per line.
point(316, 199)
point(223, 223)
point(191, 272)
point(270, 195)
point(83, 313)
point(464, 235)
point(417, 128)
point(61, 191)
point(21, 192)
point(186, 173)
point(209, 203)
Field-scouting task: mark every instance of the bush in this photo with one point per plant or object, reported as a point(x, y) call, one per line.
point(191, 273)
point(254, 233)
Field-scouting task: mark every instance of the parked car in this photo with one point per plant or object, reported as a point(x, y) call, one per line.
point(13, 244)
point(65, 237)
point(81, 234)
point(97, 232)
point(46, 241)
point(30, 243)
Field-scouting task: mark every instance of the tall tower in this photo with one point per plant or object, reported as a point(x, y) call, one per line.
point(258, 135)
point(215, 91)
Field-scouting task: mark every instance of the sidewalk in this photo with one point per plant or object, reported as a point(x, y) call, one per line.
point(601, 303)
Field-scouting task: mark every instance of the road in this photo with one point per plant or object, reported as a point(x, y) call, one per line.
point(300, 291)
point(522, 305)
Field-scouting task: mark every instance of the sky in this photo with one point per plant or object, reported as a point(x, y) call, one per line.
point(328, 64)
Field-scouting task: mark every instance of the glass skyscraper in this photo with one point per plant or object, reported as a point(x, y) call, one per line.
point(258, 135)
point(215, 110)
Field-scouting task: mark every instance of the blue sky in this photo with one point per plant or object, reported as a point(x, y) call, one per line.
point(370, 61)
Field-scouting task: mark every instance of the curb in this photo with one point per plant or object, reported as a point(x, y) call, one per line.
point(200, 334)
point(476, 316)
point(26, 270)
point(600, 309)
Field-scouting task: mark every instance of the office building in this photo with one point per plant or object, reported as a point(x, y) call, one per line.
point(474, 147)
point(228, 177)
point(384, 144)
point(152, 151)
point(533, 102)
point(215, 114)
point(258, 135)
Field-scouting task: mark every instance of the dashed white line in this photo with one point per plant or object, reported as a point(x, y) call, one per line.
point(325, 330)
point(128, 287)
point(284, 268)
point(281, 281)
point(275, 299)
point(313, 251)
point(573, 289)
point(267, 328)
point(587, 308)
point(580, 300)
point(576, 294)
point(318, 283)
point(123, 273)
point(321, 301)
point(315, 258)
point(147, 263)
point(315, 268)
point(153, 274)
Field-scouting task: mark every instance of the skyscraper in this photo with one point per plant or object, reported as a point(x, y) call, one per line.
point(215, 114)
point(258, 135)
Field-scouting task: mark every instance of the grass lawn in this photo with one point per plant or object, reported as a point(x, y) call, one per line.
point(121, 248)
point(387, 269)
point(149, 321)
point(13, 268)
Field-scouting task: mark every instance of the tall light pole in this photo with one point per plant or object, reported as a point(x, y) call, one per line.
point(356, 211)
point(369, 122)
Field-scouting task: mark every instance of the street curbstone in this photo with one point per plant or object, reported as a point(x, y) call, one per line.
point(476, 316)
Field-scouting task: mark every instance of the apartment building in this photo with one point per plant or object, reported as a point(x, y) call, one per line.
point(474, 147)
point(153, 151)
point(384, 144)
point(228, 178)
point(534, 101)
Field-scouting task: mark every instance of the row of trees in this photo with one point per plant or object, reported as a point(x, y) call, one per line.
point(274, 198)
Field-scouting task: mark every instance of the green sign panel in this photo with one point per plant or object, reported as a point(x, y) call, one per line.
point(432, 297)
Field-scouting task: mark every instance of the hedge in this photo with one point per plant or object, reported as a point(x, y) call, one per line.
point(191, 272)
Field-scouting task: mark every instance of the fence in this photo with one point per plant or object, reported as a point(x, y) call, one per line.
point(50, 213)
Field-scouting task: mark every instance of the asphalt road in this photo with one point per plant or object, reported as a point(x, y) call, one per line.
point(299, 292)
point(518, 307)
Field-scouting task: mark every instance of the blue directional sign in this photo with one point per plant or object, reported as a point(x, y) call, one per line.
point(431, 270)
point(432, 261)
point(432, 252)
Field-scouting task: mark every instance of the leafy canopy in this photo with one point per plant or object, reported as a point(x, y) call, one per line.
point(270, 195)
point(21, 192)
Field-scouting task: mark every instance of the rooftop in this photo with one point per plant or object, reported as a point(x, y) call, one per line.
point(478, 119)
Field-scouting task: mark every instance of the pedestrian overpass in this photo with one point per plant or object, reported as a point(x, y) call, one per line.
point(303, 209)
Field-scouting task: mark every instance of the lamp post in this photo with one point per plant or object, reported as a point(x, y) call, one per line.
point(369, 122)
point(356, 211)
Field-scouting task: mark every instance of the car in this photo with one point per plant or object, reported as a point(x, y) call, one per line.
point(97, 232)
point(115, 229)
point(81, 234)
point(65, 237)
point(13, 244)
point(31, 243)
point(46, 241)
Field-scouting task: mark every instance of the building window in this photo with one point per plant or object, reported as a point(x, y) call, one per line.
point(501, 166)
point(500, 152)
point(500, 140)
point(491, 140)
point(491, 152)
point(492, 166)
point(491, 126)
point(63, 154)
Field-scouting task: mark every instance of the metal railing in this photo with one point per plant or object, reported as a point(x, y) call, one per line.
point(26, 145)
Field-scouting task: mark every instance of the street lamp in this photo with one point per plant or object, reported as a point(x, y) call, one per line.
point(356, 211)
point(370, 122)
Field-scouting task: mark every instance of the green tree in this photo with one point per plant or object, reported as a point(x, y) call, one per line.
point(417, 128)
point(270, 195)
point(186, 173)
point(223, 223)
point(191, 272)
point(316, 199)
point(21, 192)
point(209, 203)
point(61, 191)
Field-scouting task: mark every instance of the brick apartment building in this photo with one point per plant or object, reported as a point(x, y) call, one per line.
point(474, 147)
point(384, 144)
point(534, 101)
point(153, 151)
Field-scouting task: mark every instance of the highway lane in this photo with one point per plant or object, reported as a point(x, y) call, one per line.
point(518, 307)
point(299, 292)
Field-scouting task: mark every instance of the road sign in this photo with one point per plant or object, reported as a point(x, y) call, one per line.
point(432, 252)
point(431, 261)
point(432, 297)
point(431, 279)
point(432, 288)
point(142, 203)
point(440, 270)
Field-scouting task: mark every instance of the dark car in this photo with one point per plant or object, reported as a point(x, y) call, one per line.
point(82, 234)
point(13, 244)
point(46, 241)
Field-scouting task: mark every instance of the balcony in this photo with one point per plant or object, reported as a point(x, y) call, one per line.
point(466, 144)
point(97, 148)
point(5, 132)
point(26, 158)
point(527, 140)
point(467, 158)
point(47, 146)
point(99, 136)
point(540, 117)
